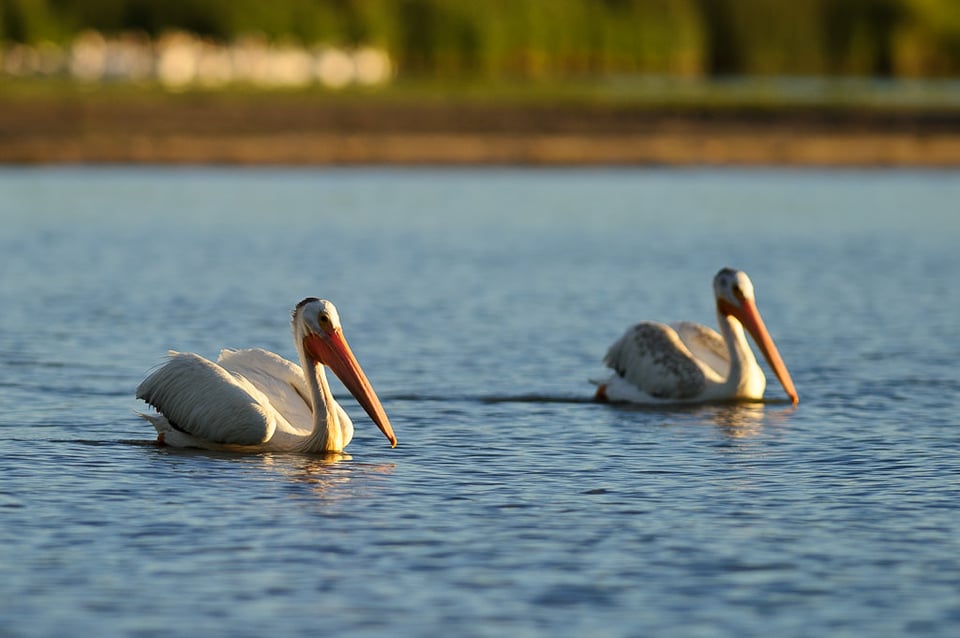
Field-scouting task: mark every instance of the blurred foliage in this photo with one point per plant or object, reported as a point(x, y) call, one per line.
point(496, 39)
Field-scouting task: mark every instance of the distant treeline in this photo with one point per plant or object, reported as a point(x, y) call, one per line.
point(553, 38)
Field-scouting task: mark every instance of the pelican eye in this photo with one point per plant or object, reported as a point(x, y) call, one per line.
point(323, 319)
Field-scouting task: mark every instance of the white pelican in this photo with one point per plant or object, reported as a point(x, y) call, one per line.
point(254, 400)
point(686, 362)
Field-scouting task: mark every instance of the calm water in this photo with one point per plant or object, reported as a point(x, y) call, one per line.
point(480, 303)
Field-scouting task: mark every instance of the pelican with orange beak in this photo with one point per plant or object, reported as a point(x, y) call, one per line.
point(685, 362)
point(255, 401)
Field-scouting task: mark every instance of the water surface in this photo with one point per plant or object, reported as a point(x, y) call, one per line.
point(480, 303)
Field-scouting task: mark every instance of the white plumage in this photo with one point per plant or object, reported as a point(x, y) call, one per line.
point(255, 400)
point(686, 362)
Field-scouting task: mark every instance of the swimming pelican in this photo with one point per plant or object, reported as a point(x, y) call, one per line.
point(254, 400)
point(686, 362)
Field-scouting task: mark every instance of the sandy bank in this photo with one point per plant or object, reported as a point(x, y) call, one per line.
point(302, 131)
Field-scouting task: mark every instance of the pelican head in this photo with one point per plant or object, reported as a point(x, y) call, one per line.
point(317, 331)
point(735, 298)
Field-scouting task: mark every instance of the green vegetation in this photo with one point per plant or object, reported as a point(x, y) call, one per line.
point(549, 39)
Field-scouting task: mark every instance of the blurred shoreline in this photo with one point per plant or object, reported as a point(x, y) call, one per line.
point(312, 129)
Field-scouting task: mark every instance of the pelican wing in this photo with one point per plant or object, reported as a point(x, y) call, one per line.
point(202, 399)
point(706, 344)
point(280, 380)
point(652, 357)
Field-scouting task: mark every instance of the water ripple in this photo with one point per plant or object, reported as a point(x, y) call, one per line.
point(514, 504)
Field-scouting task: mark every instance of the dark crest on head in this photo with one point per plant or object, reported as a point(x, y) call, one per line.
point(304, 303)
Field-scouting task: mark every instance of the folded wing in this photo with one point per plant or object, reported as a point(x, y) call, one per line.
point(280, 380)
point(652, 357)
point(206, 401)
point(705, 344)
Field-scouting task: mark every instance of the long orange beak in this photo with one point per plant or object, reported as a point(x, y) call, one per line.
point(333, 351)
point(750, 317)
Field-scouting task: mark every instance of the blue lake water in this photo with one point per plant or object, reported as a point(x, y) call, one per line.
point(480, 303)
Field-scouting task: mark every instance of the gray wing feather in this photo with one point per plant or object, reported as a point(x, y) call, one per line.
point(706, 344)
point(652, 357)
point(202, 399)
